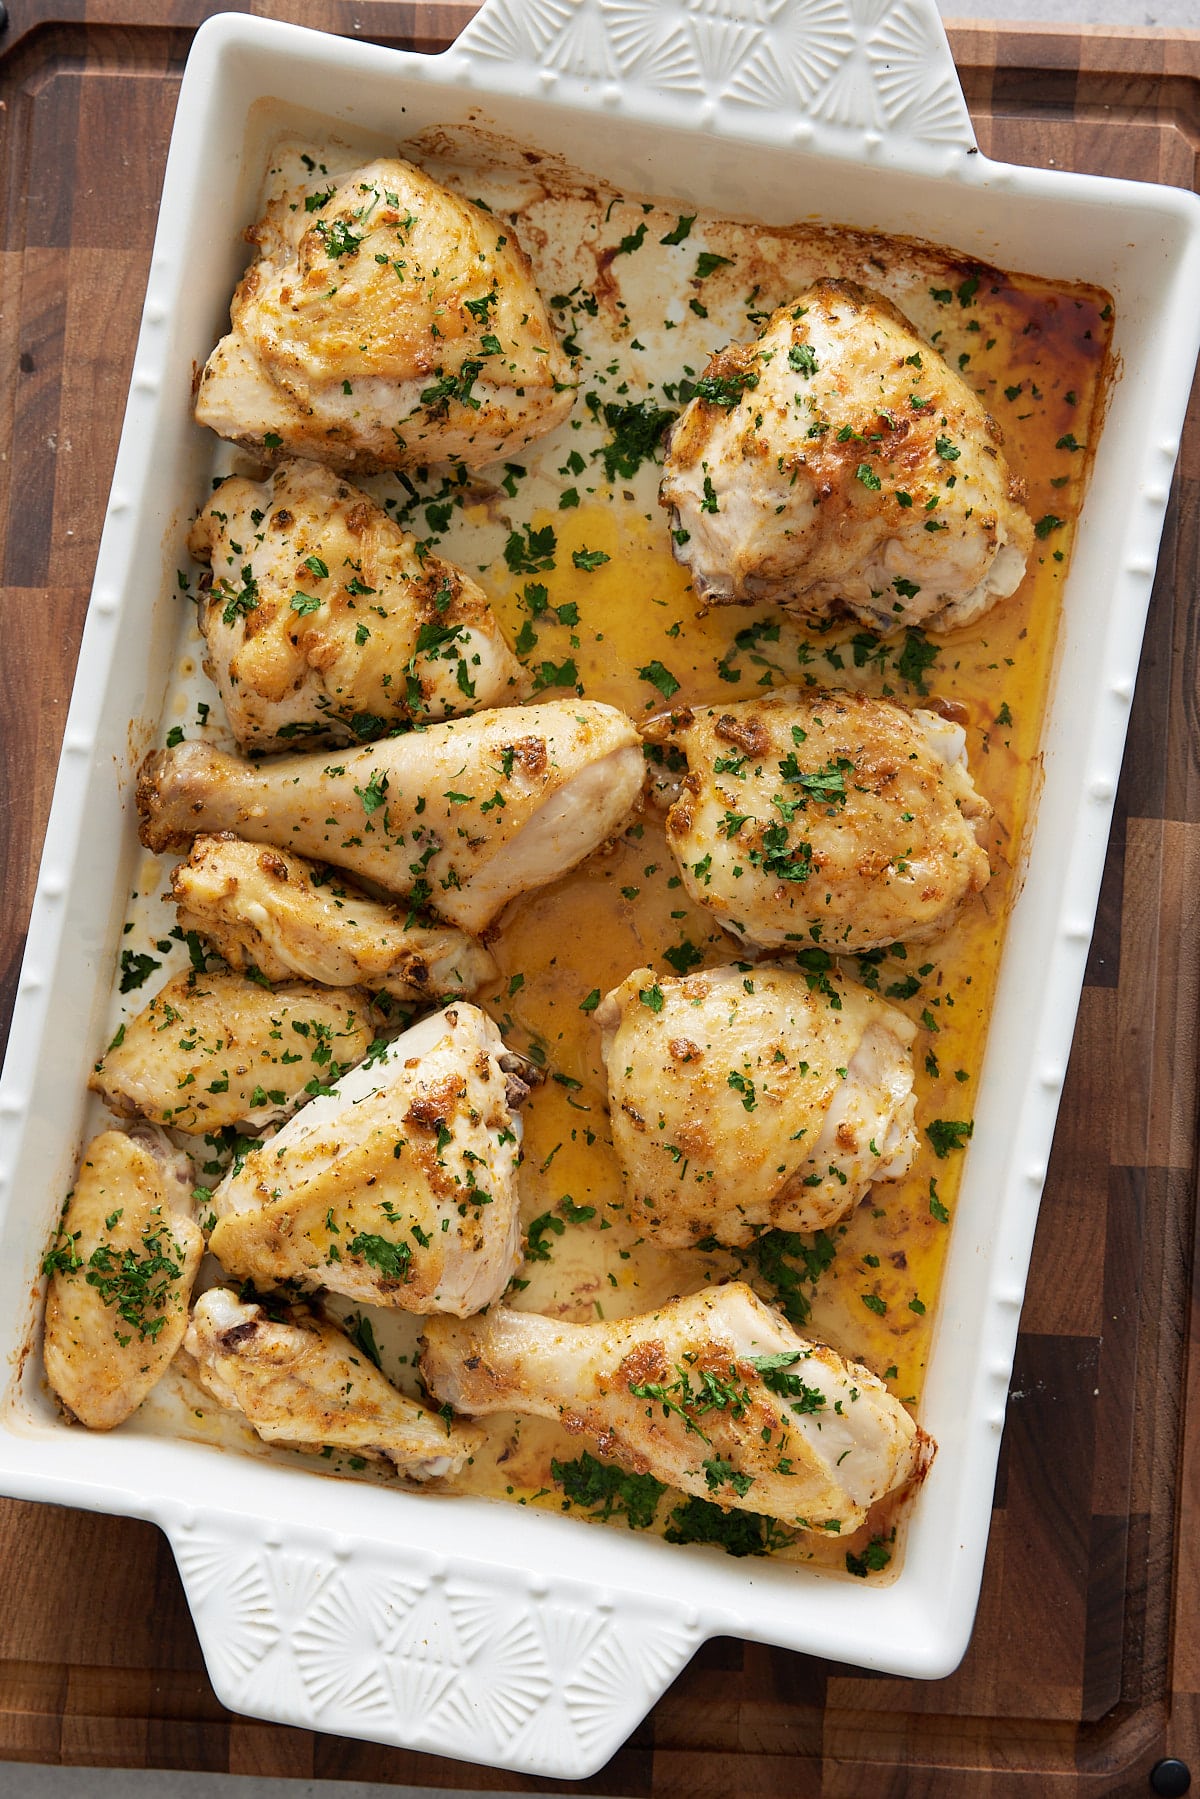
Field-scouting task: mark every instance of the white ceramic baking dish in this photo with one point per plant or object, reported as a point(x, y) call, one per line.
point(459, 1626)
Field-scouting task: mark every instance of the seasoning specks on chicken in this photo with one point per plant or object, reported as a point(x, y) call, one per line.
point(462, 816)
point(398, 1188)
point(323, 622)
point(744, 1100)
point(821, 818)
point(261, 907)
point(122, 1265)
point(839, 463)
point(714, 1394)
point(300, 1382)
point(385, 323)
point(217, 1049)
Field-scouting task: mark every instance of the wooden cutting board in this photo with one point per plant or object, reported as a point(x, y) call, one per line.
point(1084, 1670)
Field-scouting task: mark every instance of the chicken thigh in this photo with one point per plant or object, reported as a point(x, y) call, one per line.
point(838, 462)
point(461, 816)
point(121, 1267)
point(399, 1187)
point(302, 1383)
point(714, 1394)
point(263, 908)
point(322, 621)
point(385, 323)
point(752, 1100)
point(825, 818)
point(216, 1049)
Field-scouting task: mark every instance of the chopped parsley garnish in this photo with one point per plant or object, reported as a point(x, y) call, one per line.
point(736, 1532)
point(659, 677)
point(374, 793)
point(391, 1259)
point(1047, 524)
point(134, 969)
point(537, 1249)
point(238, 602)
point(946, 1134)
point(338, 238)
point(680, 230)
point(724, 390)
point(788, 1263)
point(741, 1083)
point(533, 553)
point(438, 396)
point(804, 358)
point(137, 1284)
point(635, 433)
point(874, 1557)
point(707, 262)
point(609, 1492)
point(915, 659)
point(777, 1379)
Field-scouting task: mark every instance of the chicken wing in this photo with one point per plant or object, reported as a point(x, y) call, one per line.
point(463, 816)
point(121, 1267)
point(399, 1188)
point(385, 323)
point(838, 462)
point(263, 908)
point(322, 622)
point(217, 1049)
point(745, 1101)
point(825, 818)
point(713, 1394)
point(301, 1382)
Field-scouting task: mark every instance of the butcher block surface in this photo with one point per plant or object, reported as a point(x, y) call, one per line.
point(1084, 1669)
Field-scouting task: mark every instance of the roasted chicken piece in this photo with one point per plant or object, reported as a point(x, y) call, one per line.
point(263, 908)
point(217, 1049)
point(385, 323)
point(745, 1100)
point(825, 819)
point(714, 1394)
point(121, 1267)
point(399, 1188)
point(462, 816)
point(839, 463)
point(324, 624)
point(301, 1382)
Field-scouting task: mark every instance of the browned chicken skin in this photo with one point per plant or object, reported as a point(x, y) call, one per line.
point(463, 816)
point(121, 1266)
point(325, 625)
point(216, 1049)
point(385, 323)
point(262, 907)
point(825, 819)
point(300, 1381)
point(747, 1100)
point(839, 463)
point(714, 1394)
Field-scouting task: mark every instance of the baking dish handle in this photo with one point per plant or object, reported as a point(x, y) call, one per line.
point(854, 75)
point(385, 1641)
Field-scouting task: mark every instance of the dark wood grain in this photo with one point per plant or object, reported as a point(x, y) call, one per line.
point(1085, 1665)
